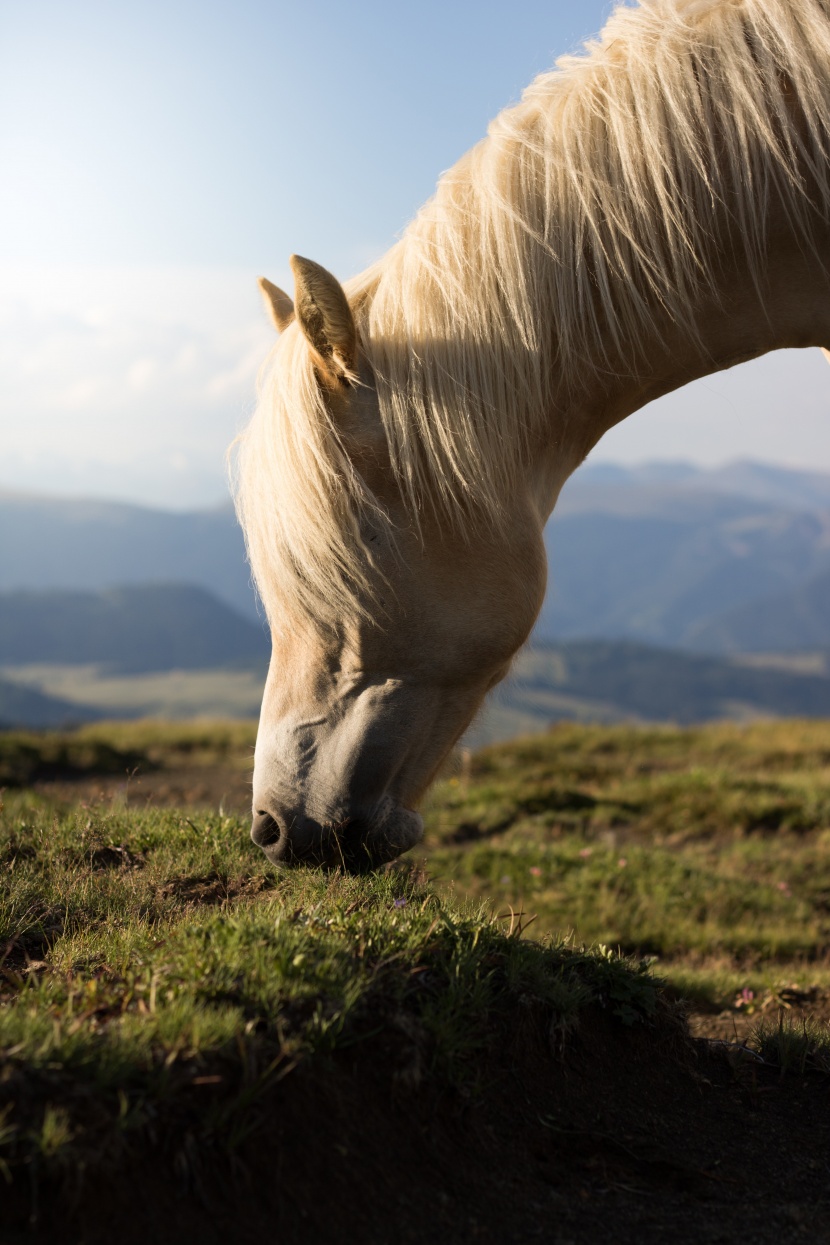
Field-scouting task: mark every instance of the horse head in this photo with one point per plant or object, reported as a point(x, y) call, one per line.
point(385, 645)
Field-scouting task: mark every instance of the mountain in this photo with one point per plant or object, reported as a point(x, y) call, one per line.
point(27, 707)
point(663, 685)
point(787, 487)
point(792, 621)
point(89, 545)
point(133, 629)
point(665, 576)
point(597, 681)
point(659, 554)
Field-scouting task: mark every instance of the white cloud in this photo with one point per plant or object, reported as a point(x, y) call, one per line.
point(132, 383)
point(112, 380)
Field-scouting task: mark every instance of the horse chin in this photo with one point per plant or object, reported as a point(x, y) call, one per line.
point(358, 845)
point(392, 831)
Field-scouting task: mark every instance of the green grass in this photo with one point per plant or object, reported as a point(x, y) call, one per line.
point(157, 975)
point(795, 1048)
point(121, 747)
point(153, 957)
point(707, 848)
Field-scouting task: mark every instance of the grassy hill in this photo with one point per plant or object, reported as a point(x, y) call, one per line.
point(178, 1018)
point(26, 706)
point(596, 681)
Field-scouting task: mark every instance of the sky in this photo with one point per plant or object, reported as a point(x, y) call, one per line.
point(158, 157)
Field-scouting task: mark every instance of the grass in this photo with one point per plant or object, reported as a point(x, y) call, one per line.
point(158, 978)
point(158, 974)
point(707, 848)
point(795, 1048)
point(121, 747)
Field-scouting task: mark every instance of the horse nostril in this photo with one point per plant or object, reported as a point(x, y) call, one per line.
point(264, 829)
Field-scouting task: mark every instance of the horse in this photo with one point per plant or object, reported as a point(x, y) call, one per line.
point(654, 209)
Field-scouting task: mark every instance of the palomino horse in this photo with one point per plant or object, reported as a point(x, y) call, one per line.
point(652, 211)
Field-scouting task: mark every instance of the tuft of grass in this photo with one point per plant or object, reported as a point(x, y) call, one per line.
point(796, 1047)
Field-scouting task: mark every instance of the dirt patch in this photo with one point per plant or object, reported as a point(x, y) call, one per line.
point(735, 1024)
point(196, 787)
point(212, 890)
point(115, 857)
point(614, 1139)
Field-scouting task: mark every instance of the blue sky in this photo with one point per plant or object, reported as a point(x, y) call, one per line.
point(158, 156)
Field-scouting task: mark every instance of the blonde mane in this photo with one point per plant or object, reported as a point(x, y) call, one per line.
point(593, 212)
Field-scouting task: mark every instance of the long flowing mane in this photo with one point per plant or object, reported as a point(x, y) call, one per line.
point(591, 213)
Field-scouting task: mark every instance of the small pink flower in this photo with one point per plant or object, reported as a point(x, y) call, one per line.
point(622, 862)
point(585, 852)
point(784, 888)
point(535, 871)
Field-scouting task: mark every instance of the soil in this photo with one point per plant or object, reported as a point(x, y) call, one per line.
point(197, 786)
point(734, 1025)
point(635, 1136)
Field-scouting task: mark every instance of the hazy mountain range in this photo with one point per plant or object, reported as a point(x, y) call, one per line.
point(96, 598)
point(667, 553)
point(101, 655)
point(128, 630)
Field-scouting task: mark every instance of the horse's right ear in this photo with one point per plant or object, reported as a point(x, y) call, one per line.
point(279, 306)
point(325, 317)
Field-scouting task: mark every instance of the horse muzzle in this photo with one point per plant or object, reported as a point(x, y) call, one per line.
point(354, 844)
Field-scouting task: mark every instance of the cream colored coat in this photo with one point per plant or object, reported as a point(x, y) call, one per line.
point(651, 212)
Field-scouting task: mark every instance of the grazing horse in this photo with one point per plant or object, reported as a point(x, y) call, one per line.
point(652, 211)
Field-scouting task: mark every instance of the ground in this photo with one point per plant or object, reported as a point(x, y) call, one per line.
point(459, 1091)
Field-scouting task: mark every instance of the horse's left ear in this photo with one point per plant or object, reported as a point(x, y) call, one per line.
point(279, 306)
point(325, 317)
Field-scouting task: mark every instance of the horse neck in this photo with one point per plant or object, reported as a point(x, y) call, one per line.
point(739, 319)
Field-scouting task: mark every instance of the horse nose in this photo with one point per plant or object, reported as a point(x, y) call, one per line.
point(266, 831)
point(287, 839)
point(296, 839)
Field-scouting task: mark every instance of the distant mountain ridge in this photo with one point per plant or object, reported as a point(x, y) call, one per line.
point(28, 707)
point(131, 630)
point(792, 621)
point(665, 554)
point(90, 545)
point(663, 685)
point(660, 553)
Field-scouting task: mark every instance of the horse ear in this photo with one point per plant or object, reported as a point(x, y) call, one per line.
point(325, 317)
point(279, 306)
